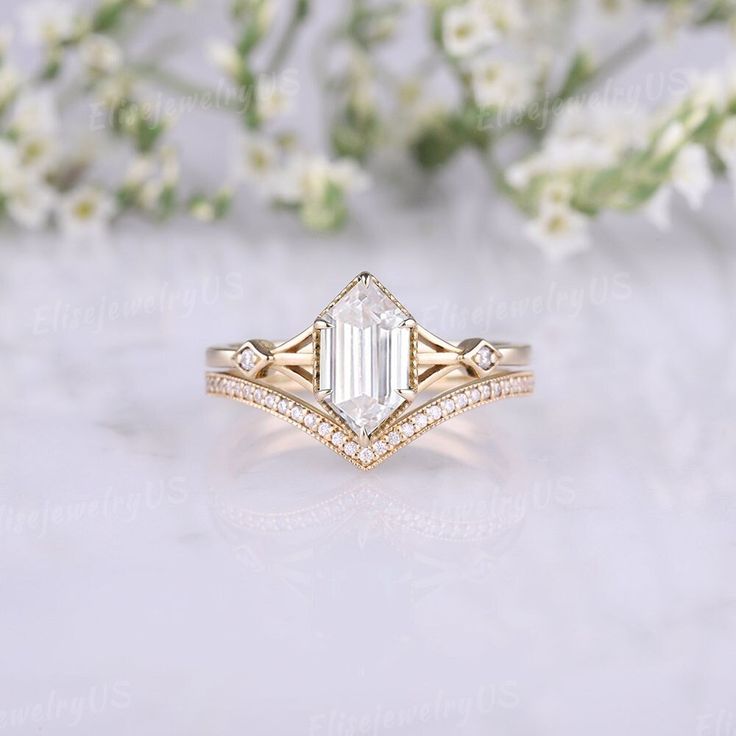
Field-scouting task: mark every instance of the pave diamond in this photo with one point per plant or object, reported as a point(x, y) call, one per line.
point(364, 359)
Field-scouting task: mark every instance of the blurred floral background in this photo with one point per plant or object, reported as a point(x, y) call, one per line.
point(91, 95)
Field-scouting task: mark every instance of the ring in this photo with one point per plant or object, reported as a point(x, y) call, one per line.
point(353, 379)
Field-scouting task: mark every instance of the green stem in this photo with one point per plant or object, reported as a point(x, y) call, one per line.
point(280, 53)
point(175, 83)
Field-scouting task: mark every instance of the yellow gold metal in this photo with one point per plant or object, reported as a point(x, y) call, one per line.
point(284, 367)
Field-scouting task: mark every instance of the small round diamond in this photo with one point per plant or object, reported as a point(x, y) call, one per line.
point(270, 401)
point(420, 421)
point(325, 429)
point(297, 413)
point(394, 438)
point(496, 389)
point(407, 429)
point(461, 401)
point(338, 439)
point(484, 358)
point(284, 406)
point(474, 395)
point(350, 449)
point(366, 455)
point(434, 413)
point(258, 396)
point(448, 406)
point(485, 391)
point(380, 447)
point(247, 360)
point(310, 420)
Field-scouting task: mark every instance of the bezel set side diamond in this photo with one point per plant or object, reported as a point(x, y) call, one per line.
point(393, 436)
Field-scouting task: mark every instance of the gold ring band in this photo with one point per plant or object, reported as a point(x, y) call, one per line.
point(365, 361)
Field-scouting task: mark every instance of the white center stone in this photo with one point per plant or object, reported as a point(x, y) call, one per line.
point(364, 357)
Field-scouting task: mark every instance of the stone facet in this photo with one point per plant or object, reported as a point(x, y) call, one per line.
point(364, 359)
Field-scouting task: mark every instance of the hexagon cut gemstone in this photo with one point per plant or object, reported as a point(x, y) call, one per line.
point(364, 356)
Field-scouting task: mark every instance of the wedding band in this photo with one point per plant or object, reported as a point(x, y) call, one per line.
point(355, 377)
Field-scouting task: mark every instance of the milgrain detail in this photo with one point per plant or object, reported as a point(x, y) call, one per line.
point(400, 432)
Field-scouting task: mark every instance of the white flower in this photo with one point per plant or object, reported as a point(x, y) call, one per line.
point(47, 22)
point(112, 91)
point(349, 176)
point(34, 114)
point(100, 54)
point(556, 192)
point(258, 160)
point(10, 80)
point(657, 209)
point(38, 153)
point(707, 91)
point(466, 29)
point(308, 178)
point(29, 201)
point(203, 210)
point(559, 231)
point(691, 175)
point(726, 143)
point(507, 16)
point(271, 100)
point(520, 174)
point(672, 137)
point(501, 85)
point(224, 56)
point(139, 170)
point(85, 212)
point(613, 127)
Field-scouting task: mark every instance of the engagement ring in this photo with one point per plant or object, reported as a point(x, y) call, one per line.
point(364, 378)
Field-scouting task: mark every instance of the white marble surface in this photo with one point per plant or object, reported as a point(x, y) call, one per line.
point(602, 601)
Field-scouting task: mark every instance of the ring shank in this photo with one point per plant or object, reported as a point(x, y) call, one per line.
point(223, 356)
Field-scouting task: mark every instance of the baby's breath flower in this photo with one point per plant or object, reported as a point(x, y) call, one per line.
point(34, 113)
point(85, 212)
point(657, 209)
point(559, 231)
point(258, 160)
point(100, 54)
point(672, 137)
point(501, 85)
point(691, 175)
point(29, 201)
point(507, 16)
point(47, 22)
point(466, 29)
point(139, 170)
point(225, 57)
point(309, 178)
point(38, 153)
point(271, 100)
point(113, 91)
point(202, 209)
point(707, 91)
